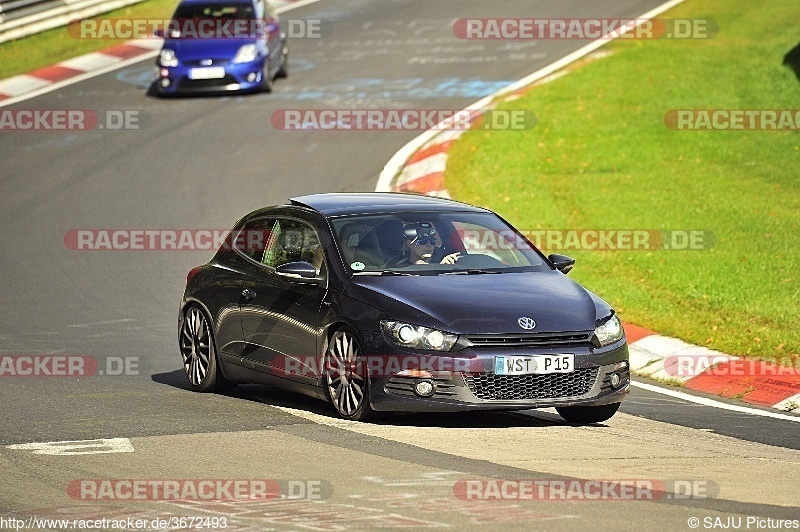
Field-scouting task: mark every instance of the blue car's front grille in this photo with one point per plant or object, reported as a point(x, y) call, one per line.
point(205, 63)
point(491, 387)
point(188, 84)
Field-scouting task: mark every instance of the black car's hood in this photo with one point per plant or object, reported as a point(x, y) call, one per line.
point(483, 303)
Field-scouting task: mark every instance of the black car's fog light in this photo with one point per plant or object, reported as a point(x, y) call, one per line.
point(615, 380)
point(425, 388)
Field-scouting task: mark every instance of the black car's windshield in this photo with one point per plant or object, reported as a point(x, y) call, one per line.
point(433, 243)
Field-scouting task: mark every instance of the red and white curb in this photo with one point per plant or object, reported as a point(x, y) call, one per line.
point(65, 73)
point(43, 80)
point(419, 167)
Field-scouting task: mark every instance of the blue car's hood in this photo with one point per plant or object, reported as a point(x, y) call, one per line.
point(197, 49)
point(483, 303)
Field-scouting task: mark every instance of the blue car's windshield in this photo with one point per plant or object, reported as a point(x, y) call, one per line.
point(436, 243)
point(215, 10)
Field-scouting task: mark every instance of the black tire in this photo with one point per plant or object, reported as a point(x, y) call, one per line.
point(199, 353)
point(346, 380)
point(588, 414)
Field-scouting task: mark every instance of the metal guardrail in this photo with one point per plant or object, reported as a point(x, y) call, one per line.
point(20, 18)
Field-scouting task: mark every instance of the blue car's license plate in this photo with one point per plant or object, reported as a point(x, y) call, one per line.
point(207, 73)
point(536, 364)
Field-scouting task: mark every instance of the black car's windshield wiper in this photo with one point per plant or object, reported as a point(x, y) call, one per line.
point(471, 271)
point(384, 272)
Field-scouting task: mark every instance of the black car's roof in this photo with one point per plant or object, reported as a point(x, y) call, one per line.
point(339, 204)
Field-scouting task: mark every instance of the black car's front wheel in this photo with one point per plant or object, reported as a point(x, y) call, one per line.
point(588, 414)
point(199, 354)
point(346, 378)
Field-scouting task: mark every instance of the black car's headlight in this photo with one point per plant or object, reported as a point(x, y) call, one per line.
point(416, 337)
point(609, 332)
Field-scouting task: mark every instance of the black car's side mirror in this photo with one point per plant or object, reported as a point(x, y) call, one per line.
point(562, 263)
point(300, 271)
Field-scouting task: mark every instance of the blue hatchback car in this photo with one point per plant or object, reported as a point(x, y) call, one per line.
point(221, 46)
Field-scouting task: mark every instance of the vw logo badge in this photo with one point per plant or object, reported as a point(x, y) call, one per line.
point(526, 323)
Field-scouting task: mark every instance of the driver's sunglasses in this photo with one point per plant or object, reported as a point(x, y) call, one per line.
point(424, 241)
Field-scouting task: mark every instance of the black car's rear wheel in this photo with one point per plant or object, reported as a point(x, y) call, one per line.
point(346, 378)
point(588, 414)
point(199, 354)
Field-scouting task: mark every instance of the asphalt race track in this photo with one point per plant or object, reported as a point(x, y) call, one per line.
point(201, 163)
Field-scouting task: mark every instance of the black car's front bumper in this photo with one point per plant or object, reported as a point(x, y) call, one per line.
point(479, 388)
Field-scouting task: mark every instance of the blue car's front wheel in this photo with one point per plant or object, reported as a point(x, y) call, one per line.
point(266, 77)
point(283, 71)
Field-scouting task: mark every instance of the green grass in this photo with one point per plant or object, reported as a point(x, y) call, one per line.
point(601, 157)
point(52, 46)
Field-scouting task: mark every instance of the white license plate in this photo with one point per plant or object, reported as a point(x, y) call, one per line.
point(535, 364)
point(207, 73)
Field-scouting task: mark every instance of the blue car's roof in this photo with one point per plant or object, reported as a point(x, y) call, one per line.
point(339, 204)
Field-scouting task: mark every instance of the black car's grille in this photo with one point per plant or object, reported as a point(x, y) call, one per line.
point(489, 386)
point(188, 84)
point(530, 340)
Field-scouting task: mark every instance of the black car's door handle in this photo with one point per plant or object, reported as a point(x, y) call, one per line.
point(248, 294)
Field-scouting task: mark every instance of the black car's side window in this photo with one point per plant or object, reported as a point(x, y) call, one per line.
point(293, 241)
point(254, 236)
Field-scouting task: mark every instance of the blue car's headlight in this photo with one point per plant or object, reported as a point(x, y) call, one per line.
point(246, 54)
point(167, 58)
point(609, 332)
point(416, 337)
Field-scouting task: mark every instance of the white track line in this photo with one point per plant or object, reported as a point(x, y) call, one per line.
point(712, 403)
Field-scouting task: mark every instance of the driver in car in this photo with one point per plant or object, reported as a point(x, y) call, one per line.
point(420, 241)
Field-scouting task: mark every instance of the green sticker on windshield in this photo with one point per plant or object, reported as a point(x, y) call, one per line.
point(358, 266)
